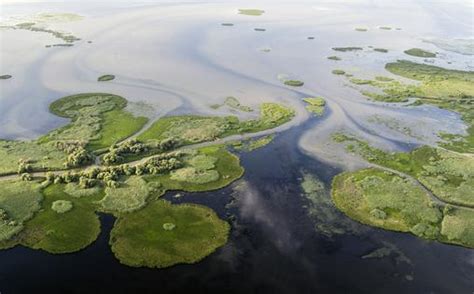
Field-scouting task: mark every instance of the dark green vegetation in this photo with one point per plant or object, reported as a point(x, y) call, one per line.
point(234, 103)
point(420, 53)
point(386, 200)
point(144, 238)
point(259, 29)
point(338, 72)
point(252, 144)
point(227, 24)
point(105, 78)
point(347, 49)
point(5, 77)
point(361, 29)
point(57, 212)
point(381, 50)
point(336, 58)
point(31, 26)
point(293, 83)
point(448, 175)
point(315, 105)
point(385, 28)
point(251, 12)
point(441, 87)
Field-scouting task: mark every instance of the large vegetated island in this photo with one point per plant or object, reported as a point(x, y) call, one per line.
point(430, 190)
point(56, 211)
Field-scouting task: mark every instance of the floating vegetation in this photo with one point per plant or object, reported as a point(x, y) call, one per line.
point(361, 29)
point(334, 58)
point(420, 53)
point(105, 78)
point(293, 83)
point(227, 24)
point(259, 29)
point(61, 206)
point(381, 50)
point(315, 105)
point(5, 77)
point(233, 102)
point(265, 49)
point(338, 72)
point(388, 250)
point(183, 233)
point(347, 49)
point(385, 28)
point(251, 12)
point(310, 38)
point(393, 124)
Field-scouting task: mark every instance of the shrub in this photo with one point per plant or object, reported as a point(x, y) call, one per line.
point(169, 226)
point(377, 213)
point(61, 206)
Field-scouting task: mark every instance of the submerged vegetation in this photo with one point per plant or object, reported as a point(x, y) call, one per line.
point(233, 103)
point(419, 53)
point(347, 49)
point(315, 105)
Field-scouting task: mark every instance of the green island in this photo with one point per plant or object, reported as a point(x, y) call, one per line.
point(429, 190)
point(105, 78)
point(437, 178)
point(251, 12)
point(69, 175)
point(338, 72)
point(293, 83)
point(347, 49)
point(417, 52)
point(34, 27)
point(315, 105)
point(5, 77)
point(381, 50)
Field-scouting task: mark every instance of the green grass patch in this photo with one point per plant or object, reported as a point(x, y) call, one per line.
point(458, 226)
point(251, 12)
point(417, 52)
point(145, 238)
point(128, 196)
point(105, 78)
point(315, 105)
point(61, 206)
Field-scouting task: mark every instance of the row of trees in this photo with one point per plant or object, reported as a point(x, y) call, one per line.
point(77, 154)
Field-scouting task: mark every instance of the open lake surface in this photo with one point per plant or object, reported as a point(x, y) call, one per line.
point(177, 58)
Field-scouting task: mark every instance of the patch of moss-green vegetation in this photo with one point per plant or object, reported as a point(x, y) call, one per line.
point(449, 175)
point(192, 129)
point(19, 201)
point(293, 83)
point(315, 105)
point(347, 49)
point(383, 199)
point(253, 144)
point(338, 72)
point(5, 77)
point(33, 27)
point(61, 232)
point(105, 78)
point(97, 120)
point(458, 226)
point(381, 50)
point(251, 12)
point(128, 196)
point(386, 28)
point(328, 221)
point(61, 206)
point(360, 29)
point(417, 52)
point(195, 175)
point(336, 58)
point(145, 238)
point(26, 156)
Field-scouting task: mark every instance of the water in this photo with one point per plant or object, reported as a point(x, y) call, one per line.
point(184, 61)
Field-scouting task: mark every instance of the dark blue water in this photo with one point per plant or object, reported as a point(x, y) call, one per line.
point(273, 248)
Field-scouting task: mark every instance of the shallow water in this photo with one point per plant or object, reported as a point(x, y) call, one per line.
point(178, 58)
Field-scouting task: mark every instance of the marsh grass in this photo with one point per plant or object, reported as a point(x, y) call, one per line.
point(62, 206)
point(417, 52)
point(105, 78)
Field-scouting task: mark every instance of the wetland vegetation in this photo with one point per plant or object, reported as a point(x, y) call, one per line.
point(251, 12)
point(57, 211)
point(417, 52)
point(315, 105)
point(105, 78)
